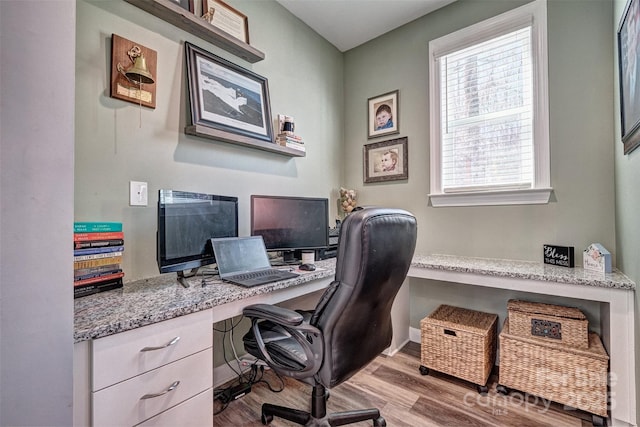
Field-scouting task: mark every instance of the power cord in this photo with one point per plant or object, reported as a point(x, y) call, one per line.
point(244, 382)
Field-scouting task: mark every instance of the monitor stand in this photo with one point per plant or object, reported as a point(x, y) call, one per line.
point(291, 257)
point(182, 276)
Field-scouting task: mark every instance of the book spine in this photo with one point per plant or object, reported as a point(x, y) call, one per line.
point(107, 235)
point(77, 265)
point(82, 291)
point(98, 279)
point(97, 274)
point(85, 273)
point(97, 243)
point(93, 251)
point(296, 146)
point(96, 227)
point(87, 257)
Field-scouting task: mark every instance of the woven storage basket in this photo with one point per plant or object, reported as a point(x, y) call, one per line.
point(553, 371)
point(459, 342)
point(548, 322)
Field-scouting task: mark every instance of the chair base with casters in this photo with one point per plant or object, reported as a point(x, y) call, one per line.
point(318, 416)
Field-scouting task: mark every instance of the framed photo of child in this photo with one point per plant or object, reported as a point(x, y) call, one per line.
point(383, 114)
point(386, 160)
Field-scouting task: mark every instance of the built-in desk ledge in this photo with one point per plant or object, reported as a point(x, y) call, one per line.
point(530, 270)
point(147, 301)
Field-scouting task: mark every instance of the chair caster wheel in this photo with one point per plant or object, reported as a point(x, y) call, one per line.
point(424, 370)
point(379, 422)
point(502, 389)
point(483, 389)
point(266, 419)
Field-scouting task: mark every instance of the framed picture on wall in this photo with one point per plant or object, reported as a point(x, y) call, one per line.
point(383, 114)
point(230, 100)
point(386, 160)
point(185, 4)
point(629, 69)
point(225, 17)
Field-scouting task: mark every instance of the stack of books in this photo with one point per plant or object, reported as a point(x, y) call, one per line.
point(97, 255)
point(289, 139)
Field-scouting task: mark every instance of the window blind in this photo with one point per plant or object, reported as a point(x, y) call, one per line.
point(486, 107)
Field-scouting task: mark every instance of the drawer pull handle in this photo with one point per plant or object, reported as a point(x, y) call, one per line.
point(162, 393)
point(170, 343)
point(450, 332)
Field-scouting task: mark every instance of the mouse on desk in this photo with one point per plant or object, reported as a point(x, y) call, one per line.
point(307, 267)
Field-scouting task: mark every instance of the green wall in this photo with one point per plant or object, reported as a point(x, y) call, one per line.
point(582, 209)
point(117, 142)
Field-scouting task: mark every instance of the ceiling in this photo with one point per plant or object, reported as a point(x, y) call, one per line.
point(350, 23)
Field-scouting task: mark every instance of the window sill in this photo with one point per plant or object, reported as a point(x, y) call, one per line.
point(537, 196)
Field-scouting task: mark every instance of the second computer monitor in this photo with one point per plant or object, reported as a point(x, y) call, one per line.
point(290, 224)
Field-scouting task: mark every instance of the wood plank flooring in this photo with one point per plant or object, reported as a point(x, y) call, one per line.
point(405, 398)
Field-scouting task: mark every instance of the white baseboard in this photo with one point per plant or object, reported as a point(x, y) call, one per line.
point(414, 335)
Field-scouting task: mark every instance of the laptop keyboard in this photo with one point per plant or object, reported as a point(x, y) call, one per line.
point(265, 274)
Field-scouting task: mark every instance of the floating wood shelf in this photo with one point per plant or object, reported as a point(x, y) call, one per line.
point(207, 132)
point(172, 13)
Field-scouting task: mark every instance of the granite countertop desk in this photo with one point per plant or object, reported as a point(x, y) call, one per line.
point(148, 301)
point(528, 270)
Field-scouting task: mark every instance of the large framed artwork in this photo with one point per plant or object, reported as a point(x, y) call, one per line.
point(386, 160)
point(629, 69)
point(229, 99)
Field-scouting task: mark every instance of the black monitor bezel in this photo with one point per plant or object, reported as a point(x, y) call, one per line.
point(325, 201)
point(180, 264)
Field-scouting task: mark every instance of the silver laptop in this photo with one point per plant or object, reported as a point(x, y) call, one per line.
point(244, 261)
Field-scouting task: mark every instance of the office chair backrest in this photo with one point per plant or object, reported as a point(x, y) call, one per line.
point(374, 254)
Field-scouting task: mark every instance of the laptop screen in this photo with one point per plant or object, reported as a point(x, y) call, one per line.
point(235, 255)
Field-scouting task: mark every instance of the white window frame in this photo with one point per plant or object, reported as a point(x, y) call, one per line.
point(534, 14)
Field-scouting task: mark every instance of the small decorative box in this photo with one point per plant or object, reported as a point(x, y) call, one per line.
point(596, 258)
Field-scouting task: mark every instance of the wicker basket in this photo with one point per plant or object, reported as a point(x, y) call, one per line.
point(553, 371)
point(566, 325)
point(459, 342)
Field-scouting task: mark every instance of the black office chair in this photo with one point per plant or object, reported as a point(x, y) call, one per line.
point(351, 324)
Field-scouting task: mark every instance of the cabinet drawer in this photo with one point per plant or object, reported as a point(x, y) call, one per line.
point(119, 357)
point(195, 412)
point(123, 404)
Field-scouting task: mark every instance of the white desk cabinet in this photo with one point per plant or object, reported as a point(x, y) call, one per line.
point(154, 374)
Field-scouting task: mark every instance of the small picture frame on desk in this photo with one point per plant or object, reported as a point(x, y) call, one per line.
point(226, 18)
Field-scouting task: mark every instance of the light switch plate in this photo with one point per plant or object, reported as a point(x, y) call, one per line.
point(138, 194)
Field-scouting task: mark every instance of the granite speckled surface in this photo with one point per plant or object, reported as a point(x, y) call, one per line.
point(529, 270)
point(148, 301)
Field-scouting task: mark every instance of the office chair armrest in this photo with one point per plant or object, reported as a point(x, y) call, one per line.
point(280, 315)
point(308, 337)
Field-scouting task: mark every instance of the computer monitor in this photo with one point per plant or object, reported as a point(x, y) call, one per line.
point(290, 224)
point(186, 222)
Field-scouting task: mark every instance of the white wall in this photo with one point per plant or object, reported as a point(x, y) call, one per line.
point(37, 55)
